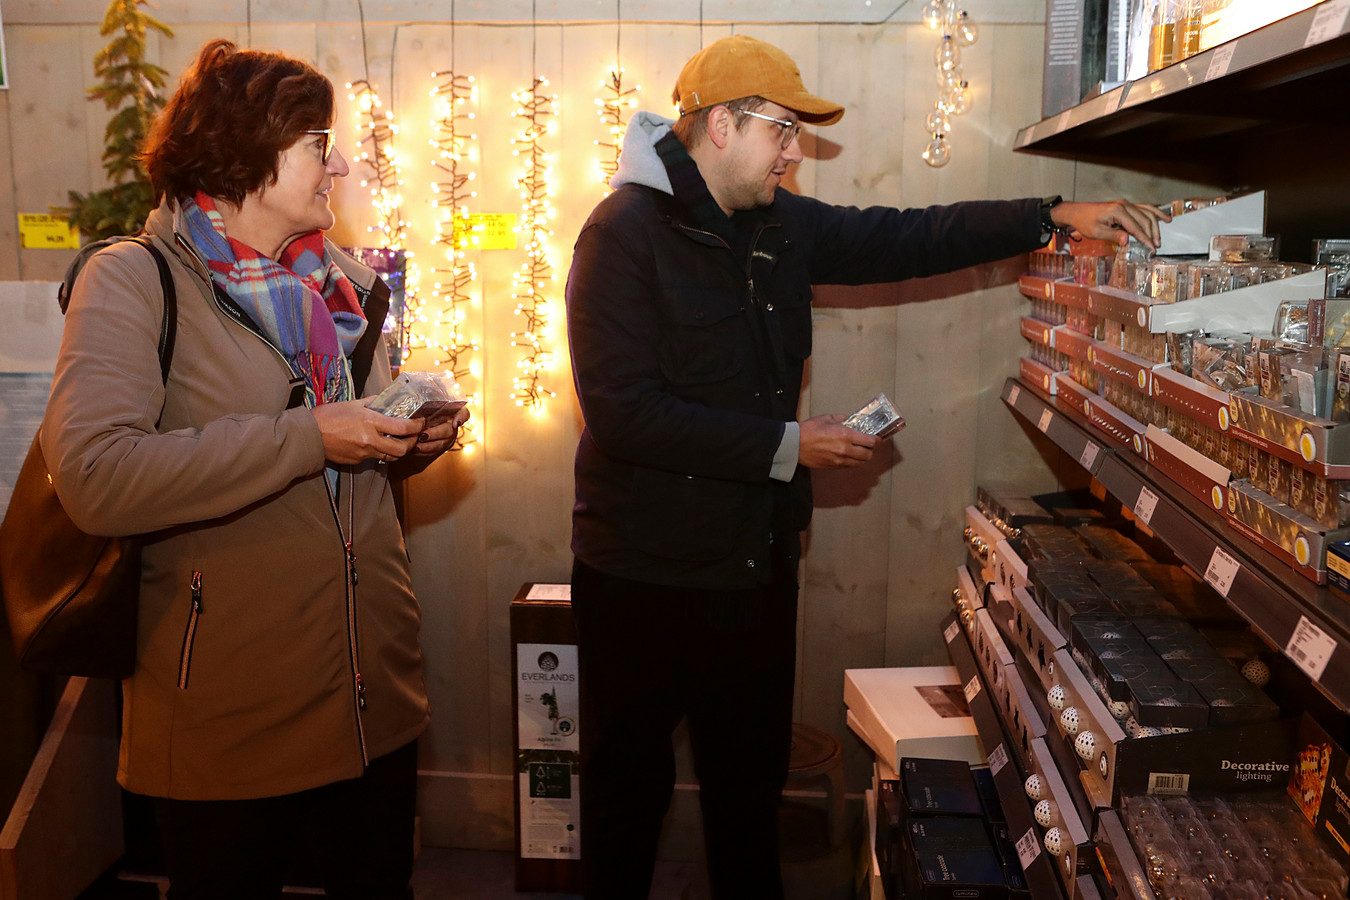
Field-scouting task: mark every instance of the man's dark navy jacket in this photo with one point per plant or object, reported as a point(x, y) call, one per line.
point(689, 331)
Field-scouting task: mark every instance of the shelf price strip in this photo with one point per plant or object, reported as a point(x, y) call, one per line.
point(1222, 570)
point(1220, 61)
point(1310, 648)
point(952, 631)
point(972, 688)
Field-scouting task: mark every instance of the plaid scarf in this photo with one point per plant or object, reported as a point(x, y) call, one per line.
point(303, 303)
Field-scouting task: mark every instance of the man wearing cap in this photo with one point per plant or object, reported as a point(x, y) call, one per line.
point(689, 312)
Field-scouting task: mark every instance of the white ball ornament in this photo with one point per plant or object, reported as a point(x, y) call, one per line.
point(1055, 696)
point(1054, 842)
point(1033, 786)
point(1086, 745)
point(1257, 672)
point(1120, 709)
point(1068, 720)
point(1045, 813)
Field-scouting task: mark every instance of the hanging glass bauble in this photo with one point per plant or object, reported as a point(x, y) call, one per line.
point(938, 152)
point(934, 11)
point(959, 100)
point(966, 31)
point(947, 56)
point(937, 121)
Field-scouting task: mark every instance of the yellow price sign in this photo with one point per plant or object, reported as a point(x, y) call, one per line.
point(489, 231)
point(45, 230)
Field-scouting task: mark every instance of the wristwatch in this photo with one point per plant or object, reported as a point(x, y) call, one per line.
point(1048, 227)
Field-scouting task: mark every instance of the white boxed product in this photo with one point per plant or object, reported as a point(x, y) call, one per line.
point(916, 711)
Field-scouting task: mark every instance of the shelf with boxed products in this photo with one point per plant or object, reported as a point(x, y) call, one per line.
point(1276, 73)
point(1310, 624)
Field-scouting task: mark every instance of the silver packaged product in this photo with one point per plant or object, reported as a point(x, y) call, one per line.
point(877, 417)
point(433, 396)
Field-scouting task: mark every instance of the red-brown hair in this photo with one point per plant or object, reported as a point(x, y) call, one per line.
point(235, 111)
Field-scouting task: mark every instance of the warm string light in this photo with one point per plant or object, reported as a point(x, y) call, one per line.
point(376, 151)
point(530, 282)
point(450, 193)
point(957, 30)
point(610, 109)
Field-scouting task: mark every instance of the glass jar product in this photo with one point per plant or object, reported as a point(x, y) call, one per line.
point(1162, 35)
point(1186, 31)
point(1334, 253)
point(1234, 248)
point(1168, 281)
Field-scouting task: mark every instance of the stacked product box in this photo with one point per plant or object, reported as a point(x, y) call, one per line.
point(940, 836)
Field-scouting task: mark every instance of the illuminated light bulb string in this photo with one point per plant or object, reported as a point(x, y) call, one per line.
point(956, 30)
point(536, 110)
point(450, 192)
point(610, 106)
point(375, 151)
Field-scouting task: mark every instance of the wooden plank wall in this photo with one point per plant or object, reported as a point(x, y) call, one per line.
point(878, 574)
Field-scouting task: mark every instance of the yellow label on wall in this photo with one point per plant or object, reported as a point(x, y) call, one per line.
point(46, 230)
point(491, 231)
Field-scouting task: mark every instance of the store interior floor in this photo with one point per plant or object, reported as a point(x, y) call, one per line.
point(812, 870)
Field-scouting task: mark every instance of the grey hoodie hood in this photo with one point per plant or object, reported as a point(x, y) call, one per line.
point(639, 162)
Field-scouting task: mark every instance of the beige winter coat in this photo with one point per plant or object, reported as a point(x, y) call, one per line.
point(263, 666)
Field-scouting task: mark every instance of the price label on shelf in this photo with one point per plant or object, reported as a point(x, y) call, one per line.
point(1013, 395)
point(1047, 417)
point(1221, 572)
point(1145, 505)
point(1220, 61)
point(1328, 22)
point(1090, 451)
point(998, 759)
point(952, 631)
point(972, 688)
point(1310, 648)
point(1028, 847)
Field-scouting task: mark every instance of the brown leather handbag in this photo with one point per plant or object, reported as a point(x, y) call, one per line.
point(71, 597)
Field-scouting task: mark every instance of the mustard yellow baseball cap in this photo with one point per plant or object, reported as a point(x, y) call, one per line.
point(742, 66)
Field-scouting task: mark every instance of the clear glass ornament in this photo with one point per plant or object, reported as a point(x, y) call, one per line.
point(934, 11)
point(937, 121)
point(948, 55)
point(938, 152)
point(949, 79)
point(959, 100)
point(966, 31)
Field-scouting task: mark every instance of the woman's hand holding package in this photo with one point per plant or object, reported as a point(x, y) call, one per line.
point(353, 434)
point(437, 439)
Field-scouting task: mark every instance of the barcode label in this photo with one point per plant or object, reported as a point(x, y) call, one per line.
point(1328, 22)
point(1089, 456)
point(1310, 648)
point(952, 631)
point(1169, 783)
point(1219, 62)
point(1221, 572)
point(1145, 505)
point(1046, 418)
point(998, 759)
point(1028, 847)
point(972, 688)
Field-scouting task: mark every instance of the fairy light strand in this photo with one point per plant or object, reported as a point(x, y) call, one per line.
point(455, 148)
point(537, 111)
point(610, 108)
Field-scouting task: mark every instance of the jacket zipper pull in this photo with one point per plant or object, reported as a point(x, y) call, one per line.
point(750, 286)
point(197, 592)
point(351, 561)
point(360, 691)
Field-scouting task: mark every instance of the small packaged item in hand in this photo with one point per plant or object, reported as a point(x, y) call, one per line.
point(878, 417)
point(433, 396)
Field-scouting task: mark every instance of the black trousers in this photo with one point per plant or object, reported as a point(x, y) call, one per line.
point(358, 834)
point(649, 656)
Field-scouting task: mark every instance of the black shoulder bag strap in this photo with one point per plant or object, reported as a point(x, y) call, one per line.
point(168, 332)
